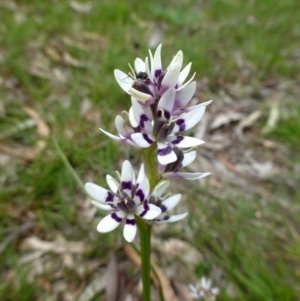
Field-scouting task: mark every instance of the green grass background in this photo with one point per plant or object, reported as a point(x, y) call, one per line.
point(255, 259)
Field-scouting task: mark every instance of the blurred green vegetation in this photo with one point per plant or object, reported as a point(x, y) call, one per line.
point(35, 39)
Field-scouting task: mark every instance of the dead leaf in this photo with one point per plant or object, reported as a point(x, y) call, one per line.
point(29, 153)
point(112, 280)
point(96, 286)
point(42, 128)
point(272, 120)
point(247, 122)
point(83, 8)
point(53, 54)
point(9, 5)
point(225, 118)
point(177, 248)
point(72, 43)
point(34, 243)
point(69, 60)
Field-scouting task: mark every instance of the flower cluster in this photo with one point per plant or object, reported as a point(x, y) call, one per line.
point(204, 291)
point(159, 113)
point(157, 118)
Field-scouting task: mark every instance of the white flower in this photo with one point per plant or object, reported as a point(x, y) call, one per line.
point(204, 290)
point(183, 159)
point(126, 199)
point(165, 203)
point(150, 81)
point(164, 126)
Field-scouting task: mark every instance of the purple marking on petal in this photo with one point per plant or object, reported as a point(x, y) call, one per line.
point(126, 185)
point(159, 113)
point(167, 114)
point(181, 124)
point(178, 140)
point(146, 209)
point(110, 197)
point(165, 218)
point(140, 194)
point(116, 217)
point(157, 72)
point(143, 119)
point(146, 137)
point(130, 221)
point(164, 151)
point(163, 208)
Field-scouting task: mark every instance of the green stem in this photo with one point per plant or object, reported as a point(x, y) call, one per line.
point(145, 237)
point(150, 164)
point(143, 227)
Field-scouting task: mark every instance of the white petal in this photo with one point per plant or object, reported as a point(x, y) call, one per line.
point(166, 102)
point(112, 183)
point(171, 202)
point(165, 154)
point(124, 80)
point(177, 59)
point(171, 77)
point(141, 173)
point(184, 74)
point(98, 193)
point(102, 206)
point(186, 175)
point(172, 218)
point(132, 120)
point(160, 188)
point(215, 291)
point(188, 158)
point(147, 69)
point(140, 96)
point(185, 141)
point(188, 120)
point(142, 115)
point(116, 138)
point(127, 177)
point(184, 95)
point(119, 122)
point(187, 83)
point(203, 104)
point(110, 222)
point(139, 65)
point(148, 211)
point(156, 65)
point(151, 59)
point(130, 228)
point(142, 140)
point(142, 191)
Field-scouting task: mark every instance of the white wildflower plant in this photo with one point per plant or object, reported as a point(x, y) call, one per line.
point(203, 290)
point(155, 123)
